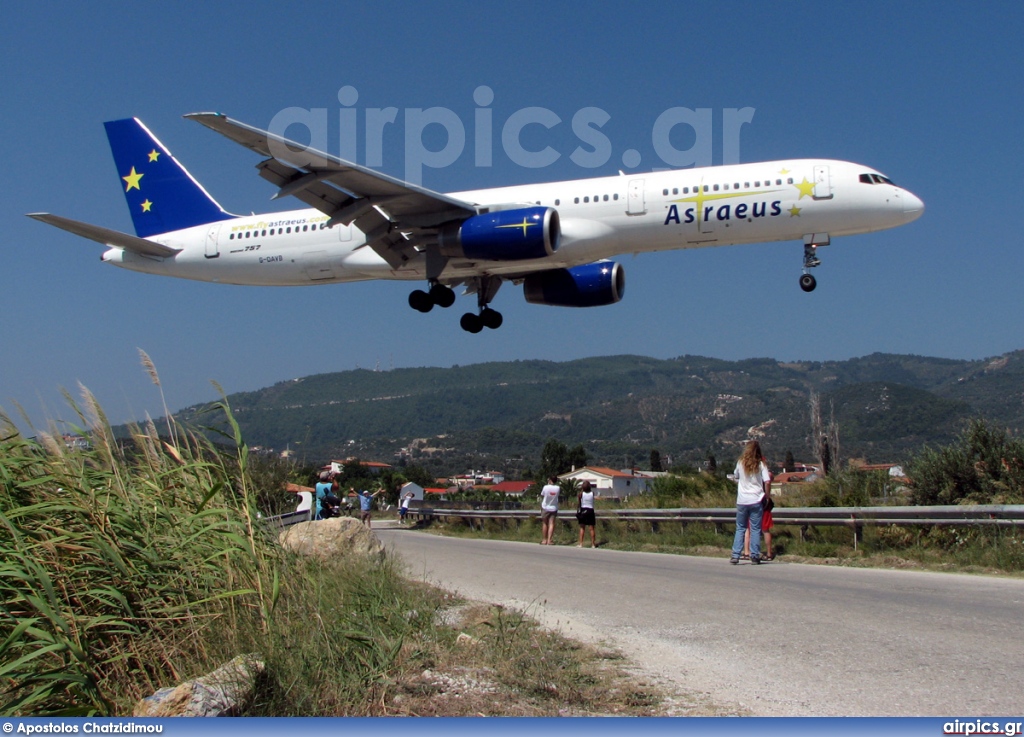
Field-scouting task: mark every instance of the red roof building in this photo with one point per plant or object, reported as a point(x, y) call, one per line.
point(511, 488)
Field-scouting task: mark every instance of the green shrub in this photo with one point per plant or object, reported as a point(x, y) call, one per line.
point(984, 466)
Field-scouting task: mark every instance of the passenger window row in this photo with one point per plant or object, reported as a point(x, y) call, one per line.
point(725, 187)
point(276, 231)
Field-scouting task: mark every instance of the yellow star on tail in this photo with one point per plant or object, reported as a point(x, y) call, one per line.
point(132, 179)
point(154, 155)
point(146, 206)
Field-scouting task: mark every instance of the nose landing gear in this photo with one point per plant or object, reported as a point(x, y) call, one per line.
point(808, 282)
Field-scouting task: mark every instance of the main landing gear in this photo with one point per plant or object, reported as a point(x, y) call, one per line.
point(808, 282)
point(488, 318)
point(485, 288)
point(439, 295)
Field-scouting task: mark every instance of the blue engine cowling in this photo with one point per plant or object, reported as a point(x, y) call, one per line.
point(503, 235)
point(590, 285)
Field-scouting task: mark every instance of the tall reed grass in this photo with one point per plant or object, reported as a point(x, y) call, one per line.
point(132, 565)
point(117, 561)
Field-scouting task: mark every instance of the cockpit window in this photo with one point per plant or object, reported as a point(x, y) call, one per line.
point(875, 179)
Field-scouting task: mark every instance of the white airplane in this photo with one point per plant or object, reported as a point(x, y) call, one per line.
point(555, 239)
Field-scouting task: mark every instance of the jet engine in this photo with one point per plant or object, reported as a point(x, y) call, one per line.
point(590, 285)
point(503, 235)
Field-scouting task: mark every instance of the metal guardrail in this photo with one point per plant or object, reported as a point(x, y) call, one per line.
point(1000, 515)
point(856, 518)
point(281, 521)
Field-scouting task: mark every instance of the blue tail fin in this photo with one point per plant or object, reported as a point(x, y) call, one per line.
point(161, 195)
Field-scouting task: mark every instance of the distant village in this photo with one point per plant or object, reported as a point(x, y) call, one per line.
point(608, 483)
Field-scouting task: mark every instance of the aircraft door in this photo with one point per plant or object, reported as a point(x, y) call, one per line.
point(822, 183)
point(317, 265)
point(212, 250)
point(635, 199)
point(344, 232)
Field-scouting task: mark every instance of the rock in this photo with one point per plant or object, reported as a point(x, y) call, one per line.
point(331, 538)
point(224, 692)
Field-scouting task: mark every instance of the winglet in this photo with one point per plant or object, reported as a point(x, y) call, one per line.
point(162, 196)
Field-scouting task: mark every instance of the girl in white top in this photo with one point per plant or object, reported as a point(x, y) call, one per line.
point(549, 510)
point(751, 476)
point(586, 515)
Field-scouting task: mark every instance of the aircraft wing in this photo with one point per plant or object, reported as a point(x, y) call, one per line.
point(106, 236)
point(395, 216)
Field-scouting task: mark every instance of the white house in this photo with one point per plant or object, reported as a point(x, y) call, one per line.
point(608, 482)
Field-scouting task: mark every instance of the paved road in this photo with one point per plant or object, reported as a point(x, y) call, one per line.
point(775, 639)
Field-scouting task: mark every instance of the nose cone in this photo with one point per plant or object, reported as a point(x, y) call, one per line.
point(913, 207)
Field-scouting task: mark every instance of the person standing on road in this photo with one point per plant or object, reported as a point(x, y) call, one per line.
point(366, 505)
point(751, 476)
point(549, 510)
point(767, 523)
point(586, 514)
point(323, 488)
point(403, 508)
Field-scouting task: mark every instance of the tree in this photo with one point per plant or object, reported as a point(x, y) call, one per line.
point(710, 463)
point(418, 475)
point(655, 460)
point(577, 457)
point(553, 458)
point(824, 438)
point(789, 464)
point(570, 488)
point(556, 459)
point(984, 466)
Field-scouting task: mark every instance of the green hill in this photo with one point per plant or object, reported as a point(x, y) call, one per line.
point(620, 407)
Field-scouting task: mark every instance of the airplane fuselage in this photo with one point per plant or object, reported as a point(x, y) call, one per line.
point(809, 200)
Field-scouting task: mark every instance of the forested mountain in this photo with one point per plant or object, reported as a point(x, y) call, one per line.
point(498, 415)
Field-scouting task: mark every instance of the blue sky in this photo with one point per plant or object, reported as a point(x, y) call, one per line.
point(927, 93)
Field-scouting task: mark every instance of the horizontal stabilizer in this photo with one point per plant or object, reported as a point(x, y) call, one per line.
point(106, 236)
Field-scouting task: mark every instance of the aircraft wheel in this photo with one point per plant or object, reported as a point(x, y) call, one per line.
point(808, 282)
point(491, 318)
point(442, 296)
point(471, 323)
point(421, 301)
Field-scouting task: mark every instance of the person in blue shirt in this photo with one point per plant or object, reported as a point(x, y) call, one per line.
point(323, 488)
point(366, 504)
